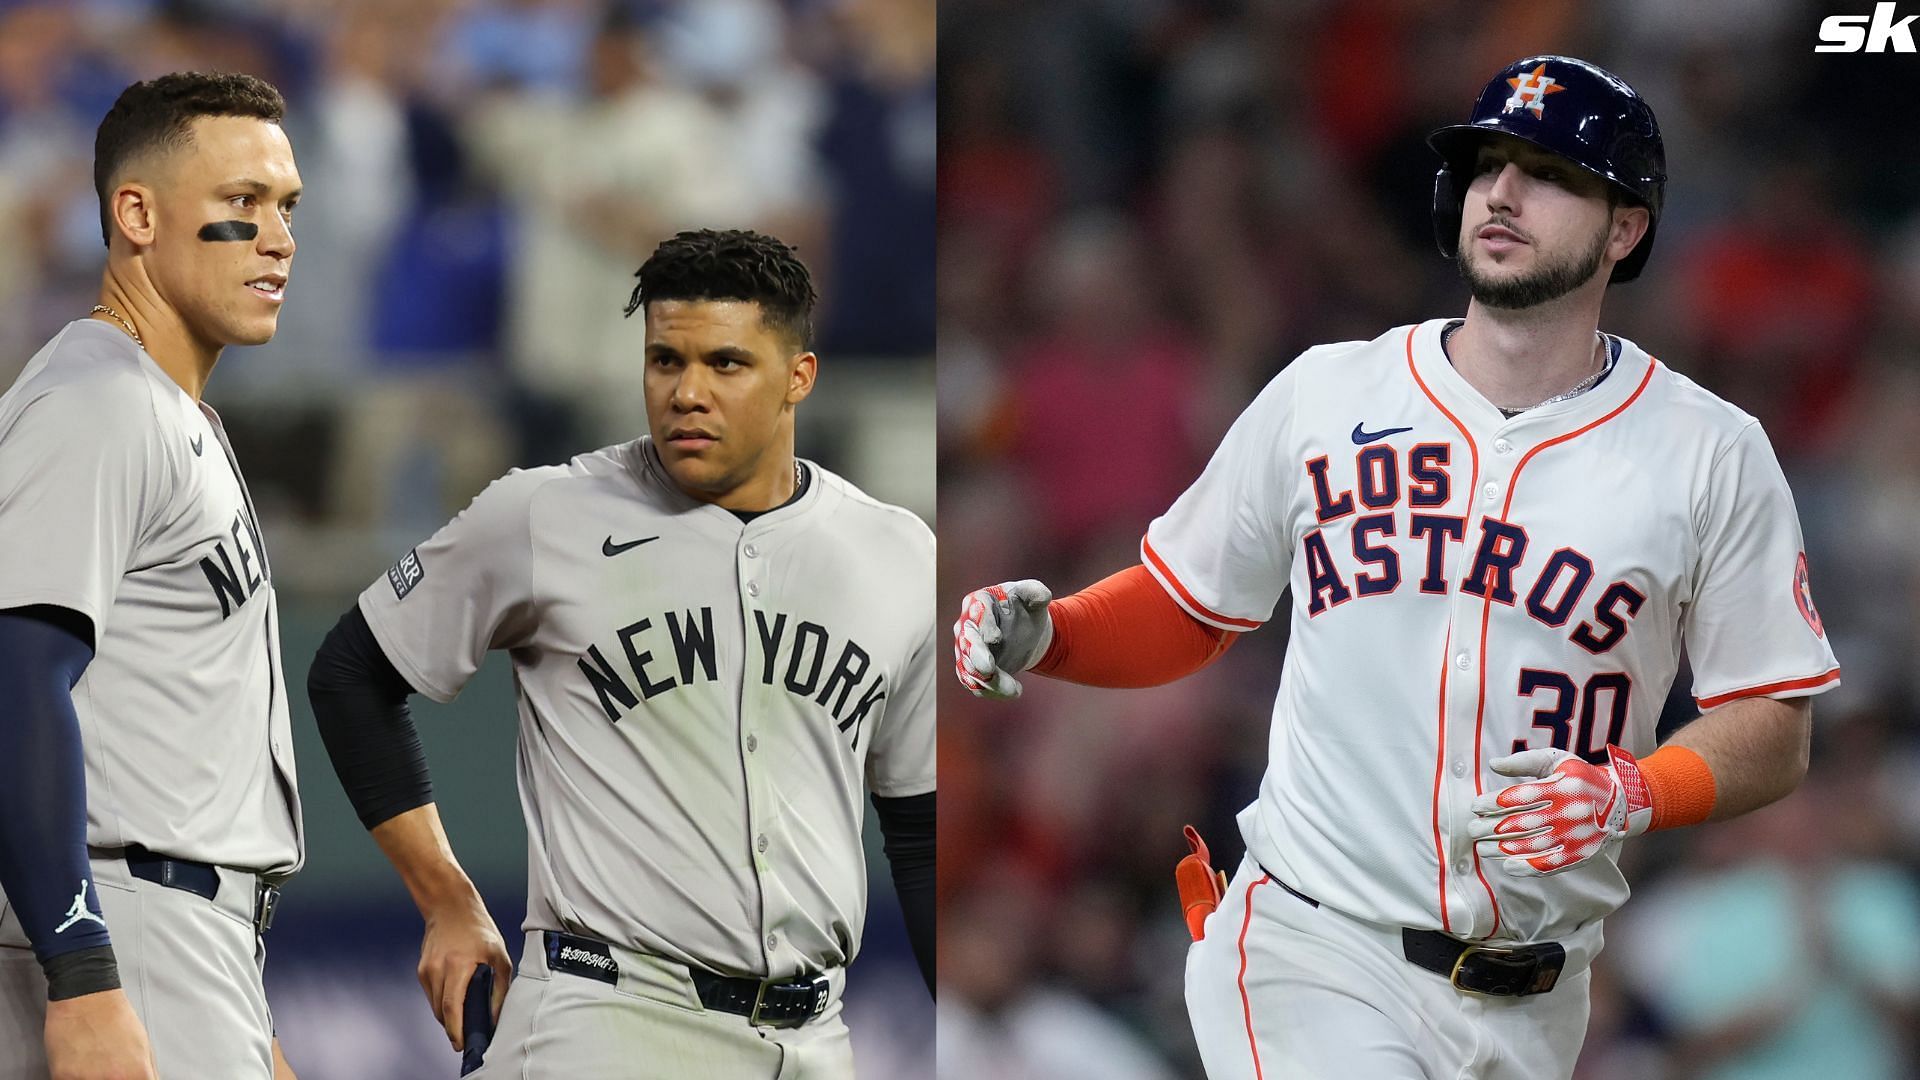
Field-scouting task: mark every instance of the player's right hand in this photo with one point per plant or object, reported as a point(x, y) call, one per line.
point(461, 937)
point(97, 1037)
point(1003, 630)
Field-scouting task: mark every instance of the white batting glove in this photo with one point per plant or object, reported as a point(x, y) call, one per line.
point(1003, 630)
point(1566, 817)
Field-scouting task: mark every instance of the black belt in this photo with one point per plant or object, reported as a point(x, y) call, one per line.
point(776, 1003)
point(780, 1003)
point(198, 878)
point(1477, 968)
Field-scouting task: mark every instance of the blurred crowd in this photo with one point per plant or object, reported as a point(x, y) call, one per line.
point(483, 177)
point(1146, 210)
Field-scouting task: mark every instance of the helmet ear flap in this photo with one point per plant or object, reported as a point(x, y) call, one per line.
point(1447, 208)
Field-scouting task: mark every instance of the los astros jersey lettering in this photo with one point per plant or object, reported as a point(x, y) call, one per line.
point(704, 704)
point(1465, 585)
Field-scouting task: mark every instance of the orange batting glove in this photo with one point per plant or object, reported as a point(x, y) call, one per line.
point(1567, 816)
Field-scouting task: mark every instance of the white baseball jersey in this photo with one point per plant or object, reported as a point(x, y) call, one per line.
point(120, 499)
point(704, 704)
point(1467, 585)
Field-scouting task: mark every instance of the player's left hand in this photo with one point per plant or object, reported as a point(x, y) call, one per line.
point(1566, 816)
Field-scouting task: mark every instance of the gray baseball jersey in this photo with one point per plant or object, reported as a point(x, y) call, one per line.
point(703, 703)
point(120, 499)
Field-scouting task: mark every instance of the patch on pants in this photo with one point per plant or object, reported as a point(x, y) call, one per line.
point(580, 956)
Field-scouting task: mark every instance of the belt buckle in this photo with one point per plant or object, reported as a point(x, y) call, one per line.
point(266, 899)
point(821, 991)
point(1501, 956)
point(759, 999)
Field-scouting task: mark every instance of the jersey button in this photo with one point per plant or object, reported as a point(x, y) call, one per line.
point(1502, 446)
point(1460, 867)
point(1491, 490)
point(1459, 768)
point(753, 589)
point(761, 844)
point(753, 743)
point(773, 940)
point(1461, 661)
point(752, 552)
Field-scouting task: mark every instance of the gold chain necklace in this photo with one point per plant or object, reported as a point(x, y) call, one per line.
point(102, 308)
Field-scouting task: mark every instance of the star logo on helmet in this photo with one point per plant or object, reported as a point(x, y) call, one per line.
point(1530, 90)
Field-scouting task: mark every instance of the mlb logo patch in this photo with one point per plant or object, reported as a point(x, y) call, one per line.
point(406, 574)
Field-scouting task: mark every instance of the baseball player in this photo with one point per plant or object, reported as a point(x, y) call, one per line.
point(1499, 532)
point(148, 808)
point(718, 648)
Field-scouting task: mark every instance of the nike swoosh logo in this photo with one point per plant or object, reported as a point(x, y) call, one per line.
point(196, 444)
point(610, 549)
point(1361, 436)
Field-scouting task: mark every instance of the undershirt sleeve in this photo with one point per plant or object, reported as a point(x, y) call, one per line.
point(360, 704)
point(908, 825)
point(44, 867)
point(1126, 631)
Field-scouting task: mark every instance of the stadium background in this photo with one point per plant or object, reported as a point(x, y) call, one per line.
point(482, 179)
point(1146, 209)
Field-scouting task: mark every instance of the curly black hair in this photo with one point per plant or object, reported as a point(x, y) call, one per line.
point(159, 114)
point(731, 264)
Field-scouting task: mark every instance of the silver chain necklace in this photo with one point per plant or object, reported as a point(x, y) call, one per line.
point(1579, 388)
point(104, 309)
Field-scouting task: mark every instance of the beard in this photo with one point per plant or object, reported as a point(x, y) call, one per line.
point(1549, 281)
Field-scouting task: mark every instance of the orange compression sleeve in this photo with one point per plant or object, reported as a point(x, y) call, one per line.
point(1680, 785)
point(1125, 631)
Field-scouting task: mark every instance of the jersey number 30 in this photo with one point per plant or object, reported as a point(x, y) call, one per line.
point(1606, 689)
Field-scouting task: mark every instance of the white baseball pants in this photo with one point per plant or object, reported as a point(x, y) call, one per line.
point(1282, 990)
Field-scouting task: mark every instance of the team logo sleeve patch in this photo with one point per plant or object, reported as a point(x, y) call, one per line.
point(1803, 597)
point(405, 574)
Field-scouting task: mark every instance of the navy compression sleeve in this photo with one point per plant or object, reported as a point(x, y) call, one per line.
point(360, 703)
point(43, 799)
point(907, 824)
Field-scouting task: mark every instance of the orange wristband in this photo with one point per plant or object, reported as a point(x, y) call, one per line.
point(1679, 785)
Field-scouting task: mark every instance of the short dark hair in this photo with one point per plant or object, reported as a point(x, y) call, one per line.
point(159, 114)
point(731, 264)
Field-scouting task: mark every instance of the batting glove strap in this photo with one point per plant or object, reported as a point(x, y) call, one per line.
point(1635, 804)
point(1564, 818)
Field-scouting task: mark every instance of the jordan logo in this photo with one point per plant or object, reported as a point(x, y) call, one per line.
point(77, 912)
point(1530, 90)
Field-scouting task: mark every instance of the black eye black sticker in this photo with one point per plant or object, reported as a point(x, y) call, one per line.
point(229, 230)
